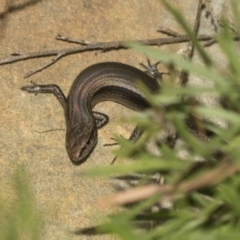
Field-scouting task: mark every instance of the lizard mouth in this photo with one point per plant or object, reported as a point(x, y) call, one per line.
point(79, 150)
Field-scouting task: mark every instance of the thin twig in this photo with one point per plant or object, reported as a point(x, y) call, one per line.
point(183, 78)
point(209, 43)
point(169, 32)
point(19, 56)
point(51, 130)
point(198, 16)
point(72, 40)
point(10, 8)
point(30, 73)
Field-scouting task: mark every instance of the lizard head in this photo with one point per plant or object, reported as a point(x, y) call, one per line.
point(80, 141)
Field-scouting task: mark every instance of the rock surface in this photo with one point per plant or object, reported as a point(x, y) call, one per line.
point(66, 199)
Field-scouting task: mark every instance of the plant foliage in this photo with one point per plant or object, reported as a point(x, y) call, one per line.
point(203, 186)
point(20, 218)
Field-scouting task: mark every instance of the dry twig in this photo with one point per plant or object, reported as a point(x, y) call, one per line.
point(91, 46)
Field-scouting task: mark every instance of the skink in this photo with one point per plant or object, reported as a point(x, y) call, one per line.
point(111, 81)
